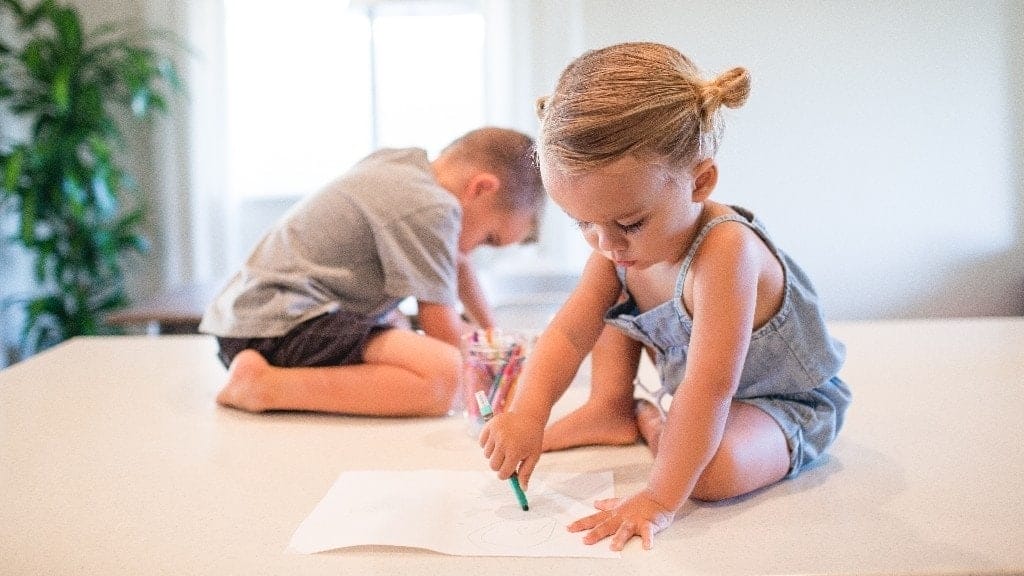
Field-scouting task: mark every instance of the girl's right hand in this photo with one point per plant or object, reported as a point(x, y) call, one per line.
point(512, 443)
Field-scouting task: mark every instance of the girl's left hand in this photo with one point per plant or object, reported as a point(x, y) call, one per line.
point(622, 518)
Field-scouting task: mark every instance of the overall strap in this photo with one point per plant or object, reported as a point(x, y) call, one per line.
point(678, 293)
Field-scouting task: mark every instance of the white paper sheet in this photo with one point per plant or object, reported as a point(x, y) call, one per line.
point(464, 513)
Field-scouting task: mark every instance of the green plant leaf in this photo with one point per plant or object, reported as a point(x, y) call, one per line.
point(77, 89)
point(74, 195)
point(13, 165)
point(157, 103)
point(69, 30)
point(45, 317)
point(28, 219)
point(60, 90)
point(33, 56)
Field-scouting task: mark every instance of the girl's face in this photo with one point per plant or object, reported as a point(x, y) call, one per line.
point(635, 213)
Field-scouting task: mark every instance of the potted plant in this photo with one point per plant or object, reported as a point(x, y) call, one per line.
point(77, 207)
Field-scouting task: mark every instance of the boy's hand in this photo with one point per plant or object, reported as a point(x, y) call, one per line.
point(512, 443)
point(622, 518)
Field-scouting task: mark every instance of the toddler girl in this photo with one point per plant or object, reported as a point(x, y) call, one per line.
point(627, 148)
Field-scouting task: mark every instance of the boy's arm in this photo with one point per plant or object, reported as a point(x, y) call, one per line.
point(441, 321)
point(471, 294)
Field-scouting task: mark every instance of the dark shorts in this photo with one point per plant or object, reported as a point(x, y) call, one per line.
point(334, 339)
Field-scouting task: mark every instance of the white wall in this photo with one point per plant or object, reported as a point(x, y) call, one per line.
point(882, 142)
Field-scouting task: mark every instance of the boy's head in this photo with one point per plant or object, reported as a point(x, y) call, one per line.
point(493, 173)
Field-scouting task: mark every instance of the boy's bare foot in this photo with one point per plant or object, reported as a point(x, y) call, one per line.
point(650, 423)
point(592, 423)
point(248, 383)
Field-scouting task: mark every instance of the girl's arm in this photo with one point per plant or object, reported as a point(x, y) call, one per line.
point(723, 294)
point(724, 297)
point(512, 440)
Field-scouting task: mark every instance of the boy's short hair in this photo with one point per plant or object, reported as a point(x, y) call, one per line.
point(509, 155)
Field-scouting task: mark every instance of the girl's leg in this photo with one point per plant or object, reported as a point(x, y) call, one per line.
point(649, 422)
point(403, 374)
point(753, 454)
point(607, 416)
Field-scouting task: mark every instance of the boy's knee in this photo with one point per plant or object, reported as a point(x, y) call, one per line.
point(444, 380)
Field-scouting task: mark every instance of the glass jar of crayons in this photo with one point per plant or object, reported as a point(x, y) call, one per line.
point(491, 362)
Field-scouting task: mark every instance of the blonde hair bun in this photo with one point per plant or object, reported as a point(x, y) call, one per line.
point(636, 98)
point(729, 89)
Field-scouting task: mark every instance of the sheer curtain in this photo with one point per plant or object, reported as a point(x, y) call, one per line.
point(195, 222)
point(201, 231)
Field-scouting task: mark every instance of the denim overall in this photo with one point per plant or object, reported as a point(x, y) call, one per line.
point(791, 366)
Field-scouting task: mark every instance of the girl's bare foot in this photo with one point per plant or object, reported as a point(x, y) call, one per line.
point(592, 423)
point(650, 423)
point(249, 383)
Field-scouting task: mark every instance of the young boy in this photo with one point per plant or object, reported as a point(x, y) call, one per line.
point(304, 325)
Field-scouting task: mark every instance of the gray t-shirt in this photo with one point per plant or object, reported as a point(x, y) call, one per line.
point(384, 231)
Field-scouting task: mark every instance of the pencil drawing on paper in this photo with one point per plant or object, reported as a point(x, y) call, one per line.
point(513, 529)
point(514, 533)
point(467, 513)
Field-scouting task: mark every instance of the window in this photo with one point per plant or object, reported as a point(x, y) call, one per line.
point(315, 85)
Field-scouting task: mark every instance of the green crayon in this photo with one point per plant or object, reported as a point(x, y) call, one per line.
point(486, 412)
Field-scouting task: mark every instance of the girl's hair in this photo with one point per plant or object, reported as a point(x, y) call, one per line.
point(639, 98)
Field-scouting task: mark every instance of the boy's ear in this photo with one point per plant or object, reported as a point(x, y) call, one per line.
point(482, 184)
point(705, 177)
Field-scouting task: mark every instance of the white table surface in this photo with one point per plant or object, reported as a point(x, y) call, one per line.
point(114, 459)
